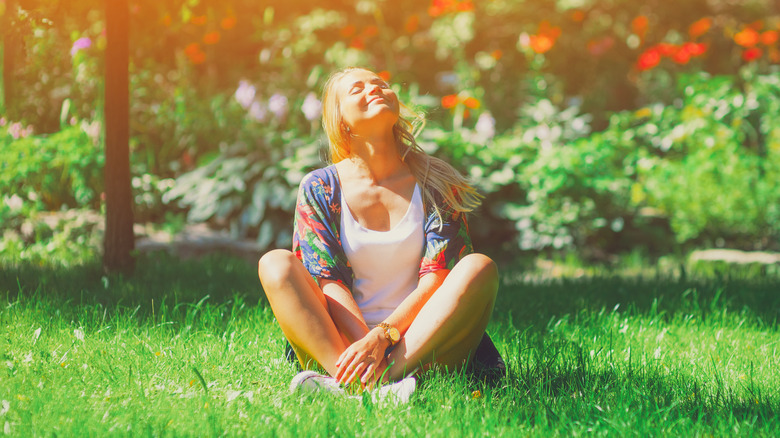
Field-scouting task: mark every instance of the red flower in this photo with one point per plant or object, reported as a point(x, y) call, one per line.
point(577, 15)
point(648, 59)
point(546, 29)
point(695, 49)
point(752, 53)
point(682, 56)
point(769, 37)
point(639, 25)
point(348, 30)
point(449, 101)
point(412, 23)
point(465, 6)
point(700, 27)
point(195, 53)
point(370, 31)
point(666, 49)
point(471, 102)
point(357, 43)
point(497, 54)
point(211, 38)
point(385, 75)
point(747, 37)
point(228, 23)
point(439, 7)
point(544, 40)
point(541, 43)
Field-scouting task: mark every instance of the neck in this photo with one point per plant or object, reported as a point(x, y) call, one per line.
point(377, 156)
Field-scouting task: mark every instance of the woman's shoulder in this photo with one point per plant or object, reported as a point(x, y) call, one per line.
point(321, 182)
point(319, 176)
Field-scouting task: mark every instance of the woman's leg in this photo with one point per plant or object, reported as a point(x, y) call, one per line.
point(301, 309)
point(450, 325)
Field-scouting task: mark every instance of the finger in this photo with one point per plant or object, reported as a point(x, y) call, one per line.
point(374, 377)
point(342, 356)
point(346, 358)
point(369, 374)
point(380, 370)
point(350, 371)
point(344, 370)
point(356, 372)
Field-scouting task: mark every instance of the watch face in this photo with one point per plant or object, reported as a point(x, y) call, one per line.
point(395, 335)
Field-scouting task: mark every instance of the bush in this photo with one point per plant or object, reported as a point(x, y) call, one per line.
point(56, 171)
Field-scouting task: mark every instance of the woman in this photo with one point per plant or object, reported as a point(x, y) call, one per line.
point(382, 279)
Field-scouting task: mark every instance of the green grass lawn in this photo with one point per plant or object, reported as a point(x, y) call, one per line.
point(191, 348)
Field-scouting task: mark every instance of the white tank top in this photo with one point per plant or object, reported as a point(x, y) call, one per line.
point(386, 264)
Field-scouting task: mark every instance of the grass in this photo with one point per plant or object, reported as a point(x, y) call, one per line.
point(191, 348)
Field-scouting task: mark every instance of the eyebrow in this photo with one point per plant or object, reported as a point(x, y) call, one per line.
point(372, 80)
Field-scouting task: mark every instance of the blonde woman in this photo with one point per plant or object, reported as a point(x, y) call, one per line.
point(382, 280)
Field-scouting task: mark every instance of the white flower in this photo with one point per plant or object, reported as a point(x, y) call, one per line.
point(15, 202)
point(258, 111)
point(245, 94)
point(312, 107)
point(277, 104)
point(486, 126)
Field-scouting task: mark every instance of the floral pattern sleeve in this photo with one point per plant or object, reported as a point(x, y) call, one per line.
point(446, 241)
point(316, 237)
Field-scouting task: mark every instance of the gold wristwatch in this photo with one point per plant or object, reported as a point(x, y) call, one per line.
point(391, 333)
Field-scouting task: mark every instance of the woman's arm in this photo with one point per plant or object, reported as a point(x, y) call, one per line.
point(364, 358)
point(344, 310)
point(407, 311)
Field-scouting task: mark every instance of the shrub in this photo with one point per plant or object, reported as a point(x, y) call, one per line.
point(57, 171)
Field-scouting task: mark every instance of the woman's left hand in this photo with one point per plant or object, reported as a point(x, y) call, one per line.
point(364, 358)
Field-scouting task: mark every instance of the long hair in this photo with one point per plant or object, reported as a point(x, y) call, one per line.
point(435, 176)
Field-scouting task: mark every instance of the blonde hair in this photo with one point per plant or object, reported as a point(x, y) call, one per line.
point(435, 176)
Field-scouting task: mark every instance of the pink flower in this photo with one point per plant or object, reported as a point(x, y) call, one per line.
point(312, 107)
point(245, 94)
point(80, 44)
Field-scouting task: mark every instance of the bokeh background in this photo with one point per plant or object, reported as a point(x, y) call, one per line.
point(593, 127)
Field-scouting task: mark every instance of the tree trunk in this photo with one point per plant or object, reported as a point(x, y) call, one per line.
point(10, 46)
point(119, 241)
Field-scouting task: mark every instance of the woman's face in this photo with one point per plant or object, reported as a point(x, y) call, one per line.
point(366, 101)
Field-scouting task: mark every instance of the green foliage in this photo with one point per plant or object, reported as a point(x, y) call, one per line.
point(711, 163)
point(578, 136)
point(61, 170)
point(700, 171)
point(250, 189)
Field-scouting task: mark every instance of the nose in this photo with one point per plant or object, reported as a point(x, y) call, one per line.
point(373, 88)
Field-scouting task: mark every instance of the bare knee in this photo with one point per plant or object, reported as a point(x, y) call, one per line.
point(275, 267)
point(482, 271)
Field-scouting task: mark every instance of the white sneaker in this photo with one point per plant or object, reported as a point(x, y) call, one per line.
point(398, 392)
point(309, 381)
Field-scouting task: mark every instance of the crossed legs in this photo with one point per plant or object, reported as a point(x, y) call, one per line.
point(446, 330)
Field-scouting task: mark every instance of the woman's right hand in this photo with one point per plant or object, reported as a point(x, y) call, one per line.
point(365, 358)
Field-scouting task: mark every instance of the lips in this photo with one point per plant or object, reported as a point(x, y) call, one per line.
point(374, 99)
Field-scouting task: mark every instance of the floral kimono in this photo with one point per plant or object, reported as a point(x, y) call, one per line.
point(317, 238)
